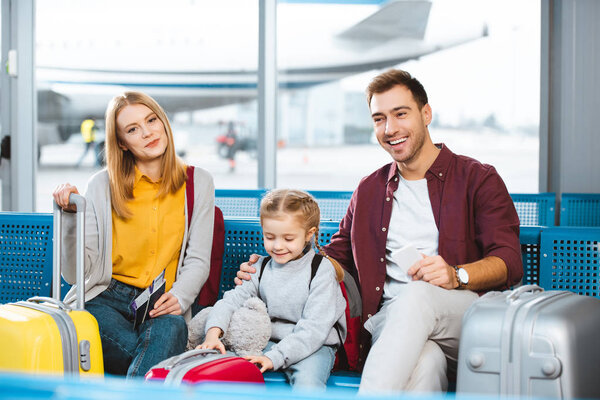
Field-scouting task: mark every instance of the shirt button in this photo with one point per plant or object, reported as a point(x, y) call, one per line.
point(377, 288)
point(151, 251)
point(383, 229)
point(154, 208)
point(369, 315)
point(396, 180)
point(382, 259)
point(360, 345)
point(440, 174)
point(387, 199)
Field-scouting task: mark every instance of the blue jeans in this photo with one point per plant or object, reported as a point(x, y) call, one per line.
point(311, 372)
point(133, 352)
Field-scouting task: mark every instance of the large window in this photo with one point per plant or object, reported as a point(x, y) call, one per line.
point(479, 62)
point(198, 59)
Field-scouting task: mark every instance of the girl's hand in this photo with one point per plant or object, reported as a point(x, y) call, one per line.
point(166, 304)
point(264, 362)
point(212, 340)
point(61, 196)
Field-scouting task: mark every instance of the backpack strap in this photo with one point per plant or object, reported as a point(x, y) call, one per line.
point(314, 265)
point(262, 267)
point(189, 193)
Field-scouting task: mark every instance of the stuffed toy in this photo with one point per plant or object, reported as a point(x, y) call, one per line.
point(248, 332)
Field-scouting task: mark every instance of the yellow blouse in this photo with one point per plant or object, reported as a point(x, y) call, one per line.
point(150, 241)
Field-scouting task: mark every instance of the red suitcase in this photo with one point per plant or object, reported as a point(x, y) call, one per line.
point(203, 365)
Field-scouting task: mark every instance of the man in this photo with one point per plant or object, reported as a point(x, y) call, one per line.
point(454, 210)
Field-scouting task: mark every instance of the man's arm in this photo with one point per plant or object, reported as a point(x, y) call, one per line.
point(489, 272)
point(497, 235)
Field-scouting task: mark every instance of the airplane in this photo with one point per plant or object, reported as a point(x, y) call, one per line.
point(203, 61)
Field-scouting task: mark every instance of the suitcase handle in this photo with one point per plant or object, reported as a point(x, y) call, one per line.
point(58, 303)
point(79, 202)
point(188, 354)
point(514, 296)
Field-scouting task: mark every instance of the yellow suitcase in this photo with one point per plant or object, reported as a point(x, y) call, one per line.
point(43, 335)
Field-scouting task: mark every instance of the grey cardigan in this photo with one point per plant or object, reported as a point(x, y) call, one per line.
point(194, 260)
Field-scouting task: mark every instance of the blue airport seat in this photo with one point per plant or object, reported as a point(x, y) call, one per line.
point(530, 251)
point(239, 203)
point(333, 204)
point(570, 260)
point(535, 208)
point(580, 209)
point(25, 256)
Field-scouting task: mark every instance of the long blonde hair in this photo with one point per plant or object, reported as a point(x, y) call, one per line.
point(121, 163)
point(301, 205)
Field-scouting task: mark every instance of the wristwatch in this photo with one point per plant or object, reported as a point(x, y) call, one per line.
point(462, 276)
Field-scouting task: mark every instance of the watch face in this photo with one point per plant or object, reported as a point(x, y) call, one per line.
point(463, 275)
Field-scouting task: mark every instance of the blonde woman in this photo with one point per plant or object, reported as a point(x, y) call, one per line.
point(138, 226)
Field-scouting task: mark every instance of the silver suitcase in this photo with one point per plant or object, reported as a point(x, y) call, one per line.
point(530, 342)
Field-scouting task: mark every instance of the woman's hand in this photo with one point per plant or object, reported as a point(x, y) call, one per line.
point(211, 341)
point(61, 196)
point(264, 362)
point(166, 304)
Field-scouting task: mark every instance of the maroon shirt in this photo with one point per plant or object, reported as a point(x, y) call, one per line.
point(473, 211)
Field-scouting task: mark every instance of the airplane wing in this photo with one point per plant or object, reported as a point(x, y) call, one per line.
point(407, 19)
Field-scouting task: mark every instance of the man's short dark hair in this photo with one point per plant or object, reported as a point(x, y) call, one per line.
point(388, 79)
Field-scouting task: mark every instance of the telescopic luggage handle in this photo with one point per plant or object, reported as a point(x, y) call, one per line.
point(79, 202)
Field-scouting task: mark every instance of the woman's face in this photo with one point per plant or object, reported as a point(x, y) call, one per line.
point(140, 131)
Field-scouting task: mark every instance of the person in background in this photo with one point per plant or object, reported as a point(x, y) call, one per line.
point(88, 132)
point(138, 227)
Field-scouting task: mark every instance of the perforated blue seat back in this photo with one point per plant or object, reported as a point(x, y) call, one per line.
point(580, 209)
point(530, 251)
point(25, 256)
point(333, 204)
point(239, 203)
point(570, 260)
point(243, 237)
point(535, 208)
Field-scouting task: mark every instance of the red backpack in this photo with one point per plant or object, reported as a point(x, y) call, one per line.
point(210, 291)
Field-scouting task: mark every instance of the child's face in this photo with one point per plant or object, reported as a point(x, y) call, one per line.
point(284, 237)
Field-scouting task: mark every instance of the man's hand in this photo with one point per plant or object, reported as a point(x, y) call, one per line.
point(435, 270)
point(246, 269)
point(264, 362)
point(166, 304)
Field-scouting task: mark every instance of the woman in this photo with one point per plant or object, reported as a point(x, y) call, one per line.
point(137, 229)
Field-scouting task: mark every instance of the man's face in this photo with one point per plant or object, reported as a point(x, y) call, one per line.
point(400, 127)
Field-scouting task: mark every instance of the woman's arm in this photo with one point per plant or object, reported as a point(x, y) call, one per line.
point(193, 269)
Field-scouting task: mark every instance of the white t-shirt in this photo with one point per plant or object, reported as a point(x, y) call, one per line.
point(412, 222)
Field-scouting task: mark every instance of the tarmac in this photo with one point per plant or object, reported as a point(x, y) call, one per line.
point(515, 157)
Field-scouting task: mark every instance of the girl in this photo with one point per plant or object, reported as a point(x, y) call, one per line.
point(137, 229)
point(307, 313)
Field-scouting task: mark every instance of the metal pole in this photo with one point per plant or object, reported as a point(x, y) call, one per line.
point(267, 94)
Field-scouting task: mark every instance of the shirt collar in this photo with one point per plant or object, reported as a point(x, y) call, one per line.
point(139, 175)
point(438, 168)
point(442, 162)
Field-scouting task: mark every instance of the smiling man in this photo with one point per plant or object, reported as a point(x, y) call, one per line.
point(458, 215)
